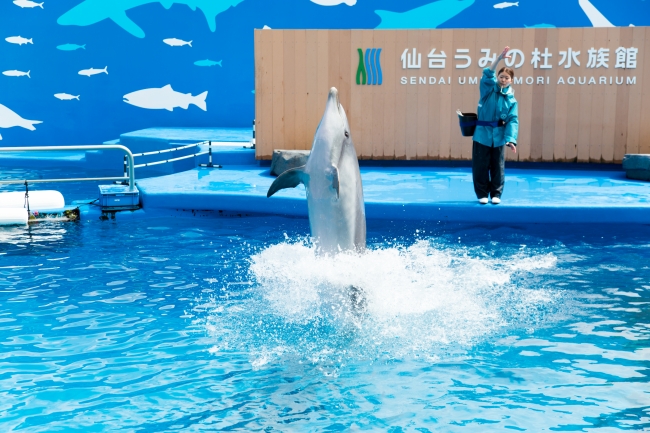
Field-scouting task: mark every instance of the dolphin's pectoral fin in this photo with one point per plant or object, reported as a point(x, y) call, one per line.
point(289, 179)
point(335, 180)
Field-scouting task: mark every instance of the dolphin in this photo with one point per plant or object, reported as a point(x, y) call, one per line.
point(337, 216)
point(90, 12)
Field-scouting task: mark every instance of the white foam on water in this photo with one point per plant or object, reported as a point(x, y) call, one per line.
point(418, 300)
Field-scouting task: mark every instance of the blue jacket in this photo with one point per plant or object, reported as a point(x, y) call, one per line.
point(496, 104)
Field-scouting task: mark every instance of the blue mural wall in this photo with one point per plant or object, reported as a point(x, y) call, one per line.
point(80, 72)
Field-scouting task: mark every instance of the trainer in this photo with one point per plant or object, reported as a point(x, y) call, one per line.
point(497, 127)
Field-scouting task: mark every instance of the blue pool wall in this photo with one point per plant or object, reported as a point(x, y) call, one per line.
point(59, 39)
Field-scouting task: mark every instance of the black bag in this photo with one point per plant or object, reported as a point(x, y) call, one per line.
point(467, 123)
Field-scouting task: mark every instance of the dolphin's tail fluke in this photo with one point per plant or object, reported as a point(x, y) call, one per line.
point(29, 76)
point(41, 5)
point(105, 70)
point(189, 43)
point(30, 41)
point(83, 46)
point(199, 101)
point(289, 179)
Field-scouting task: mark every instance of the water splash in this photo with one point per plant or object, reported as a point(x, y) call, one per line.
point(421, 300)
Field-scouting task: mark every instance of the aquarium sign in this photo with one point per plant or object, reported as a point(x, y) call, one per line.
point(596, 60)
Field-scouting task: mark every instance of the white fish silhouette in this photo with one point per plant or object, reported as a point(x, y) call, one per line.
point(19, 40)
point(505, 5)
point(27, 4)
point(173, 42)
point(66, 96)
point(165, 98)
point(92, 71)
point(266, 27)
point(334, 2)
point(15, 73)
point(9, 119)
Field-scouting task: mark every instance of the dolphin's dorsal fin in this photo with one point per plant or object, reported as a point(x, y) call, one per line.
point(289, 179)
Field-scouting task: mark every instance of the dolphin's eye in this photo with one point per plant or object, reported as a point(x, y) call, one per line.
point(347, 134)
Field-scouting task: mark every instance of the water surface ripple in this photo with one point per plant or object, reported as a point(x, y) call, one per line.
point(207, 324)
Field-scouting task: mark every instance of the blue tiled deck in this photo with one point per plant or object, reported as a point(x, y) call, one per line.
point(598, 194)
point(422, 193)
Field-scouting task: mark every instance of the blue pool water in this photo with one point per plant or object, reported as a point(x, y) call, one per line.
point(180, 323)
point(175, 323)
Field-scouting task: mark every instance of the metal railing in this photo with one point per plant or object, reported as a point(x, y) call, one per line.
point(128, 156)
point(156, 152)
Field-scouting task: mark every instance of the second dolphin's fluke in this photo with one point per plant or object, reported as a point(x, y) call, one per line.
point(337, 216)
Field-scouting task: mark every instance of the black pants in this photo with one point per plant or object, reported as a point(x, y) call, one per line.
point(488, 170)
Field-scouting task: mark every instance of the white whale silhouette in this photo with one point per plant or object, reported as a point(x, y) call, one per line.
point(334, 2)
point(66, 96)
point(92, 71)
point(173, 42)
point(28, 4)
point(165, 98)
point(19, 40)
point(9, 119)
point(15, 73)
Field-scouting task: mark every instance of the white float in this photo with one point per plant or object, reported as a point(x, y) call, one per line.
point(38, 200)
point(13, 216)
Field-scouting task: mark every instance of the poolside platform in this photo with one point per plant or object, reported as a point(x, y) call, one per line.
point(394, 190)
point(417, 193)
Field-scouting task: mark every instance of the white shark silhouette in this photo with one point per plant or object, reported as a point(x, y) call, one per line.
point(165, 98)
point(89, 12)
point(9, 119)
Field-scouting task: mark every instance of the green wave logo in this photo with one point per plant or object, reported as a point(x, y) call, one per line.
point(369, 68)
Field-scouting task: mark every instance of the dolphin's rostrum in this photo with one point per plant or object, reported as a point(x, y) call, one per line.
point(337, 216)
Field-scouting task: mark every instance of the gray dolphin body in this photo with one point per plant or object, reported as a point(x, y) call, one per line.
point(337, 215)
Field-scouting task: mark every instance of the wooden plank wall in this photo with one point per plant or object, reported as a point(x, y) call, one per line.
point(294, 70)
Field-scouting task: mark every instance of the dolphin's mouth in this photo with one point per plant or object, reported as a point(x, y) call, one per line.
point(334, 92)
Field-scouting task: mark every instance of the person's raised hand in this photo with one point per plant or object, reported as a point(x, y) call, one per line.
point(504, 54)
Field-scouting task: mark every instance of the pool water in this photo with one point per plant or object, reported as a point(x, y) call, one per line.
point(175, 323)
